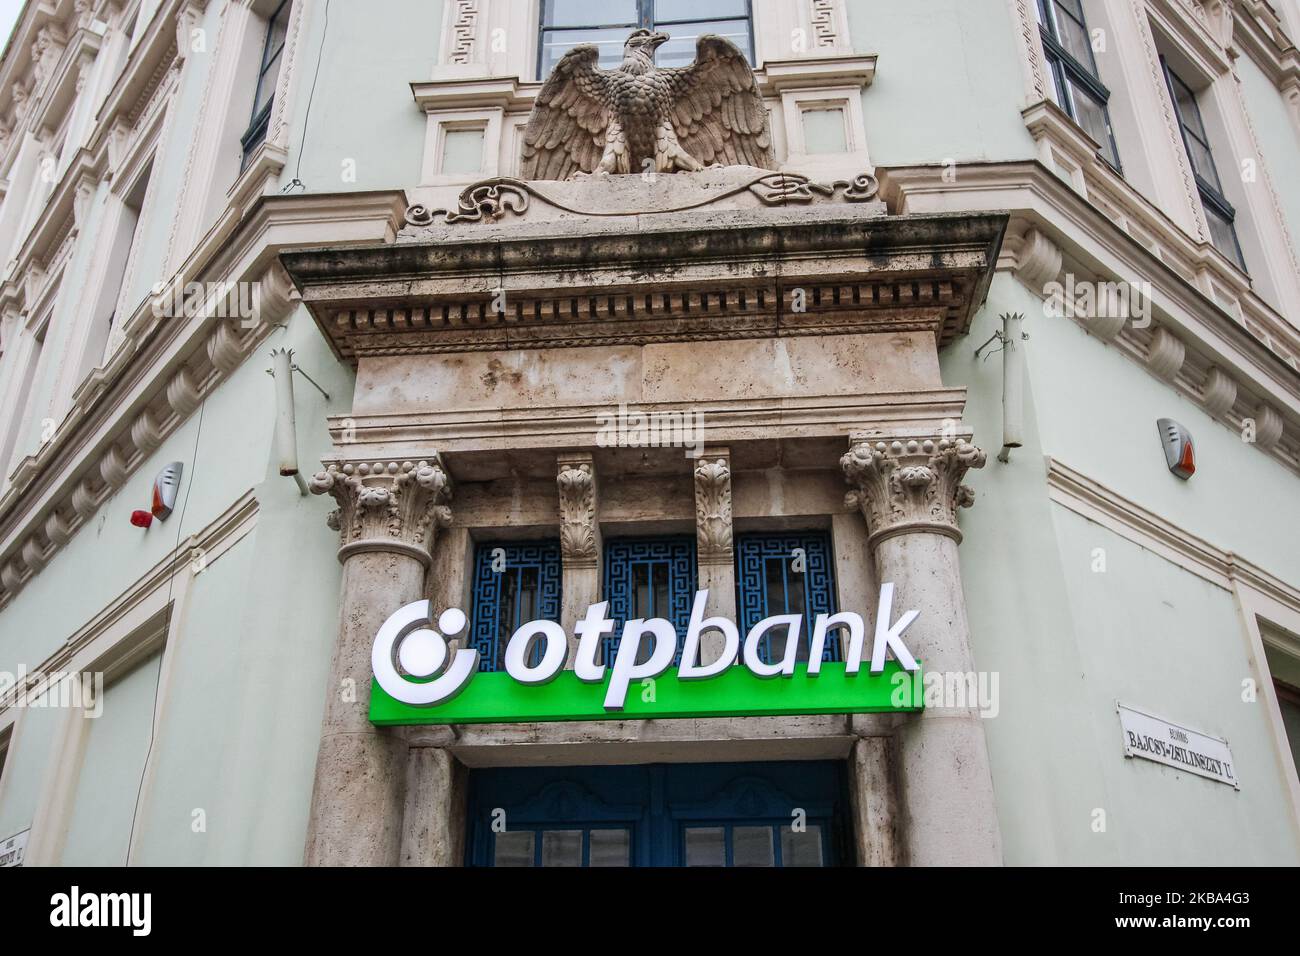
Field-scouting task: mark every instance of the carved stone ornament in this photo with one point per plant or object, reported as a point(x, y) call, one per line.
point(493, 199)
point(576, 482)
point(713, 509)
point(645, 118)
point(912, 485)
point(386, 506)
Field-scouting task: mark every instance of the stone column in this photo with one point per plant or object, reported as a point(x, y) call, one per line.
point(387, 519)
point(873, 796)
point(715, 552)
point(433, 822)
point(909, 490)
point(580, 544)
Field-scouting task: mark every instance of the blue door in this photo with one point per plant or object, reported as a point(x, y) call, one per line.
point(750, 814)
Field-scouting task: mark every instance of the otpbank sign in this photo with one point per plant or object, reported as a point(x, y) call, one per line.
point(419, 680)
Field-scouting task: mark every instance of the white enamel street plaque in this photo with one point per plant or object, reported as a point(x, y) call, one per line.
point(1155, 738)
point(13, 849)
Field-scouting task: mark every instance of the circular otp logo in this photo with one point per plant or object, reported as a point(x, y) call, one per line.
point(408, 640)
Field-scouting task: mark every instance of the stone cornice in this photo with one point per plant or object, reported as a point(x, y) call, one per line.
point(1265, 366)
point(692, 276)
point(164, 368)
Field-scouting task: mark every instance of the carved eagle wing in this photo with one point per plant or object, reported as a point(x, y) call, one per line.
point(718, 113)
point(566, 132)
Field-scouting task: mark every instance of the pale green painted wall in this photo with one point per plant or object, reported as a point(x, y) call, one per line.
point(364, 111)
point(1279, 139)
point(948, 82)
point(25, 764)
point(276, 595)
point(112, 762)
point(1067, 642)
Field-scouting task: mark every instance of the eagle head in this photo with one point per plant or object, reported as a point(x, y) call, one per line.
point(641, 46)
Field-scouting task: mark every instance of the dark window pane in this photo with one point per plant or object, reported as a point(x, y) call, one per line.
point(698, 9)
point(1203, 163)
point(513, 848)
point(680, 50)
point(1091, 115)
point(584, 13)
point(706, 846)
point(562, 848)
point(610, 848)
point(1188, 110)
point(1074, 37)
point(1223, 234)
point(752, 846)
point(802, 849)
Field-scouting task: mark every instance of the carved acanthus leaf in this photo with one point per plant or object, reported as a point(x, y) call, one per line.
point(910, 485)
point(386, 505)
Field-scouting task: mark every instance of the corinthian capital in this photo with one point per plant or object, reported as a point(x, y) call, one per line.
point(910, 485)
point(576, 481)
point(386, 506)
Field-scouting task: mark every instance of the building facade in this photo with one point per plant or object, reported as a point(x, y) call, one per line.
point(1000, 242)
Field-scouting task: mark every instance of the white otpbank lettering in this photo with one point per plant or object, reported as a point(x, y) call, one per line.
point(646, 649)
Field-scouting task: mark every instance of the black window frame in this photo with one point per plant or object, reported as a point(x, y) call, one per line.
point(1066, 70)
point(645, 21)
point(260, 121)
point(1211, 193)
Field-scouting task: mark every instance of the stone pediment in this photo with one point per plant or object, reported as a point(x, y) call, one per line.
point(504, 198)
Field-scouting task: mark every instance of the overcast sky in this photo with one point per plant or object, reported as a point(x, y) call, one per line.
point(8, 14)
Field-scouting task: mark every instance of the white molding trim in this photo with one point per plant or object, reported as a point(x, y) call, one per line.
point(1225, 569)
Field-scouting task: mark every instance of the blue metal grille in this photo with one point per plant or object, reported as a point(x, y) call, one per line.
point(768, 583)
point(645, 578)
point(514, 582)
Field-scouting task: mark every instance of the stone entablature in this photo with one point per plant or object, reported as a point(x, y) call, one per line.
point(703, 275)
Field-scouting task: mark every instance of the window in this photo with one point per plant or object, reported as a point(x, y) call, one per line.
point(267, 74)
point(645, 578)
point(785, 574)
point(514, 583)
point(1288, 701)
point(606, 23)
point(1076, 86)
point(1218, 211)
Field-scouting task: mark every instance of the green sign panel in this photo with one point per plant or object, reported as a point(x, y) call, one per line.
point(498, 698)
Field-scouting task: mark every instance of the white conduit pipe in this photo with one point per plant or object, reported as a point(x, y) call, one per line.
point(1013, 384)
point(286, 428)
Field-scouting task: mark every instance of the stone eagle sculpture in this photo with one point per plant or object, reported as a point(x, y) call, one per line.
point(641, 117)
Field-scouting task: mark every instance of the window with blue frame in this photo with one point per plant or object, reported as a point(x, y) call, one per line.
point(785, 573)
point(1219, 213)
point(645, 578)
point(606, 23)
point(514, 583)
point(1076, 84)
